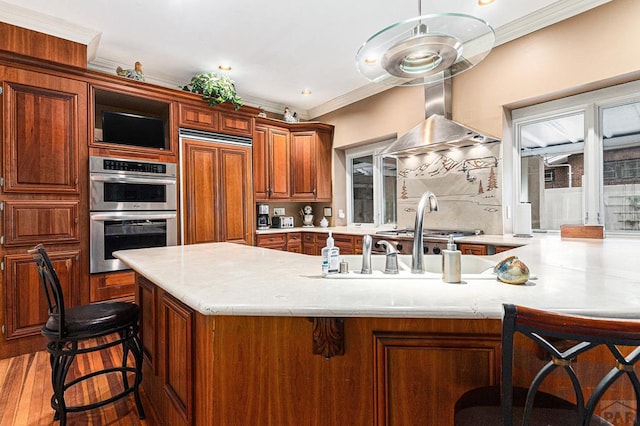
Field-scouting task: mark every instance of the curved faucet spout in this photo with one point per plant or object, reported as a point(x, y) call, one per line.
point(428, 199)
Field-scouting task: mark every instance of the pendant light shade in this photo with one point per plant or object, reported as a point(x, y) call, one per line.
point(417, 51)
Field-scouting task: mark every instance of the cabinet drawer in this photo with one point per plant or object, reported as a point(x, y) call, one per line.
point(475, 249)
point(271, 240)
point(197, 117)
point(112, 285)
point(236, 124)
point(308, 237)
point(294, 237)
point(33, 222)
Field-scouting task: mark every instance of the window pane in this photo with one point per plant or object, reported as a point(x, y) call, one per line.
point(389, 189)
point(362, 189)
point(621, 167)
point(552, 164)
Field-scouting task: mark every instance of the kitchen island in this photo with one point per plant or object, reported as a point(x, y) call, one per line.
point(243, 335)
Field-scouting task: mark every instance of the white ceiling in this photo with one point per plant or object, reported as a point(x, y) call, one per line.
point(276, 48)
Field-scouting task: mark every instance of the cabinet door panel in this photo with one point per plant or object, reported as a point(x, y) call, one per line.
point(178, 383)
point(26, 309)
point(41, 139)
point(235, 124)
point(200, 170)
point(235, 195)
point(260, 163)
point(419, 377)
point(303, 165)
point(279, 172)
point(30, 222)
point(198, 118)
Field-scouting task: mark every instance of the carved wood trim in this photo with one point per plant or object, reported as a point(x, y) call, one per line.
point(328, 336)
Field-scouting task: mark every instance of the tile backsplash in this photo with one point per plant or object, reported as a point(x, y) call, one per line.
point(466, 181)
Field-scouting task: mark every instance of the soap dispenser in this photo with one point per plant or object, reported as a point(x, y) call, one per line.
point(451, 259)
point(330, 257)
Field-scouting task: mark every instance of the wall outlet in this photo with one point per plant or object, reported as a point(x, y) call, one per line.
point(278, 211)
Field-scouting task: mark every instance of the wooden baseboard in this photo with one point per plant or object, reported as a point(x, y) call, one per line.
point(582, 231)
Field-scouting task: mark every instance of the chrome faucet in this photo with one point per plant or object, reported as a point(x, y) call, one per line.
point(366, 254)
point(417, 255)
point(391, 264)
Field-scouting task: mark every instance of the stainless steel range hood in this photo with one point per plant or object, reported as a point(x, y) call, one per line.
point(437, 131)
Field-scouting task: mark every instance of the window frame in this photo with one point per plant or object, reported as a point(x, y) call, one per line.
point(592, 104)
point(374, 150)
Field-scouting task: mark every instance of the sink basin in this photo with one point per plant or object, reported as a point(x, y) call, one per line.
point(472, 267)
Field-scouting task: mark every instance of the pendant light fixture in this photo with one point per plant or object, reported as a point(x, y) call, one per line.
point(417, 51)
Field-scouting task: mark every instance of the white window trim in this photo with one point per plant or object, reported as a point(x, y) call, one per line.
point(592, 103)
point(378, 201)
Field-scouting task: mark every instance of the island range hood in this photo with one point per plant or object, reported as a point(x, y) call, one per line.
point(437, 132)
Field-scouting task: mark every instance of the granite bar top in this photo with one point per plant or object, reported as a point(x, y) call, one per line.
point(595, 277)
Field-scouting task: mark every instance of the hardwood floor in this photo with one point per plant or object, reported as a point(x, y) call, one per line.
point(25, 392)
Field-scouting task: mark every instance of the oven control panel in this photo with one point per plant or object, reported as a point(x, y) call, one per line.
point(120, 165)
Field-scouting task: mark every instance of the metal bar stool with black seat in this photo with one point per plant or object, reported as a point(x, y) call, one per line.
point(562, 338)
point(72, 332)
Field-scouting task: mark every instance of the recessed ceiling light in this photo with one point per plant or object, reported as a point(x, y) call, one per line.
point(485, 2)
point(224, 67)
point(306, 92)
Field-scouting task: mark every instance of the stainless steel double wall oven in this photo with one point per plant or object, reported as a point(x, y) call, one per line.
point(133, 205)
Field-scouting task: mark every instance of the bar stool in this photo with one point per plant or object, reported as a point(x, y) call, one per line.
point(66, 328)
point(561, 338)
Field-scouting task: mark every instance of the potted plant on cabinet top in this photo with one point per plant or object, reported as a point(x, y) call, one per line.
point(214, 88)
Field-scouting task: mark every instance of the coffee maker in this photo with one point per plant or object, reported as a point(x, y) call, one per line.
point(263, 220)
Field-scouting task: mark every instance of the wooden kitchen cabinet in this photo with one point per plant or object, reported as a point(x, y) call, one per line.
point(309, 244)
point(44, 147)
point(294, 242)
point(198, 117)
point(271, 178)
point(311, 164)
point(233, 123)
point(112, 285)
point(166, 333)
point(217, 195)
point(395, 371)
point(475, 249)
point(272, 241)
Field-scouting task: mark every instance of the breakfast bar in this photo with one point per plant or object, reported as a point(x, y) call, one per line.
point(234, 334)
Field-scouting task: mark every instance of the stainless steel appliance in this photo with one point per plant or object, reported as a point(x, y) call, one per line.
point(262, 217)
point(133, 205)
point(282, 222)
point(118, 184)
point(434, 240)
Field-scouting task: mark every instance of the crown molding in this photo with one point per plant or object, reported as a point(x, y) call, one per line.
point(107, 66)
point(47, 24)
point(356, 95)
point(544, 17)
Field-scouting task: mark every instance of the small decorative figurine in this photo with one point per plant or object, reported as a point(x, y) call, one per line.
point(261, 113)
point(512, 271)
point(289, 117)
point(134, 74)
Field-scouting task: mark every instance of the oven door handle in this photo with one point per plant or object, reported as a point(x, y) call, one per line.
point(131, 179)
point(145, 216)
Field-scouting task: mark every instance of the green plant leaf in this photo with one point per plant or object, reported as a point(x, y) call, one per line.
point(215, 89)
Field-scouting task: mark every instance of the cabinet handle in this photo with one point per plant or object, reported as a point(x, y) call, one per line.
point(314, 192)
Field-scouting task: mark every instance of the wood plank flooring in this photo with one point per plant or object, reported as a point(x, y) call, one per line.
point(25, 392)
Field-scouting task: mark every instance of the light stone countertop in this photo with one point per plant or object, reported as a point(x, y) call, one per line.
point(596, 277)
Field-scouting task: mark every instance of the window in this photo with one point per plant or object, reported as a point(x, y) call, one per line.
point(371, 185)
point(577, 160)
